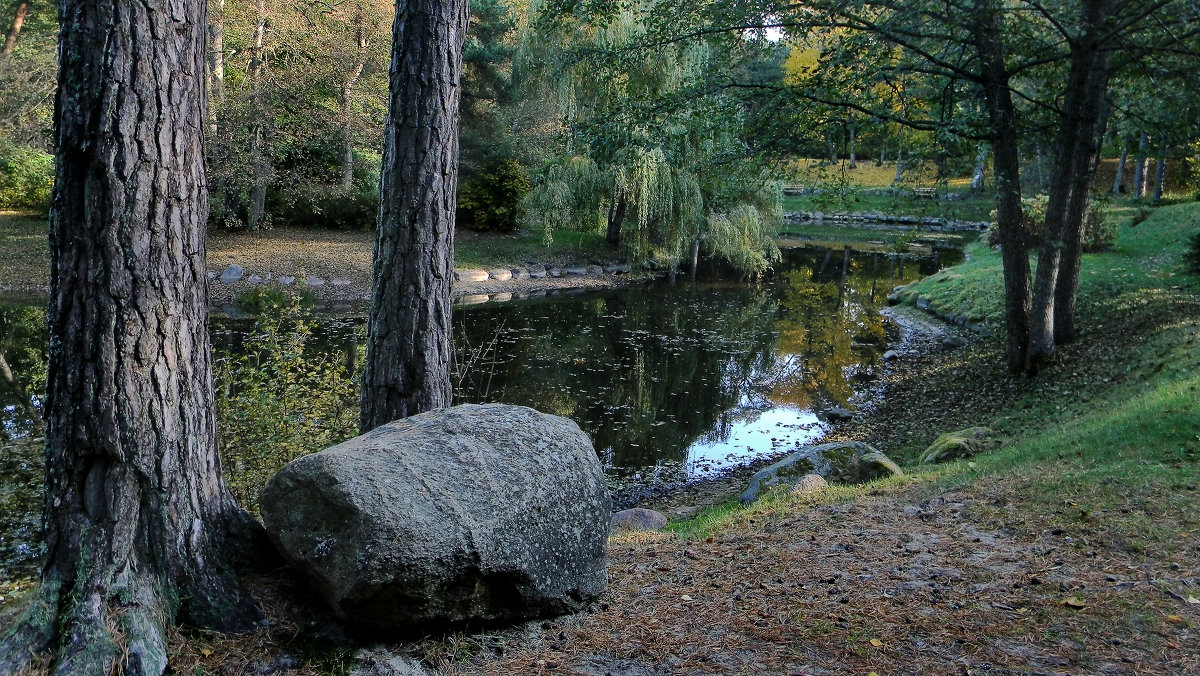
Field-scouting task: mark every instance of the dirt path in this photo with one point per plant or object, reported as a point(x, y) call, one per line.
point(884, 585)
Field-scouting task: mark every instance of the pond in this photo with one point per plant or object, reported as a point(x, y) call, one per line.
point(673, 382)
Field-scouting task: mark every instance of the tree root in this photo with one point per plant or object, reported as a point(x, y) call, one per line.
point(118, 631)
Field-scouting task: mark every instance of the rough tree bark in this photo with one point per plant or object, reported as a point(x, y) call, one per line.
point(407, 367)
point(137, 514)
point(1007, 169)
point(14, 30)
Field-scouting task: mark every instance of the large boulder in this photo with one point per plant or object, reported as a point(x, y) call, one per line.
point(477, 514)
point(957, 445)
point(842, 462)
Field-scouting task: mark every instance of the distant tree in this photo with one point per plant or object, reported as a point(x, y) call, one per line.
point(139, 524)
point(407, 366)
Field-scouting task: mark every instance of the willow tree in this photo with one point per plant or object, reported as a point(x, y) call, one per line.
point(407, 367)
point(138, 520)
point(650, 152)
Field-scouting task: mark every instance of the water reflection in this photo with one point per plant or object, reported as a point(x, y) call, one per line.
point(672, 382)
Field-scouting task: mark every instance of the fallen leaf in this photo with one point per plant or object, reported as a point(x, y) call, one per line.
point(1072, 602)
point(685, 597)
point(1193, 599)
point(206, 652)
point(876, 642)
point(1174, 619)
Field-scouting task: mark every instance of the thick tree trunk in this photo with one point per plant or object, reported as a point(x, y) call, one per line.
point(356, 69)
point(1160, 169)
point(1059, 258)
point(1119, 180)
point(407, 367)
point(14, 31)
point(260, 168)
point(137, 513)
point(1007, 168)
point(1141, 164)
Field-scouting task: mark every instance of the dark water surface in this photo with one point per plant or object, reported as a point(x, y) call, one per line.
point(673, 382)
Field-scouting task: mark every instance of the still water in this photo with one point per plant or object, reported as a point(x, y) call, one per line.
point(673, 382)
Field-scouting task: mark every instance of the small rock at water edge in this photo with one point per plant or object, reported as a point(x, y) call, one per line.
point(637, 519)
point(232, 274)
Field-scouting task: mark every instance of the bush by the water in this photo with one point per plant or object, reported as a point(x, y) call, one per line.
point(1098, 232)
point(26, 177)
point(490, 201)
point(279, 400)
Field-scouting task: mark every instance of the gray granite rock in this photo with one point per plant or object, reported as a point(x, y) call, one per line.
point(467, 514)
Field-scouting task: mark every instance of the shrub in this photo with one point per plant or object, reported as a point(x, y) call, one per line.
point(1191, 257)
point(26, 177)
point(319, 205)
point(491, 200)
point(278, 400)
point(1098, 232)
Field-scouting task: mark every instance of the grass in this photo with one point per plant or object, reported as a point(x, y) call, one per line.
point(901, 203)
point(478, 250)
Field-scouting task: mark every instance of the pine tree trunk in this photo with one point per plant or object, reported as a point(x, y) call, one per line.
point(14, 31)
point(1160, 169)
point(1007, 168)
point(407, 367)
point(1119, 180)
point(138, 515)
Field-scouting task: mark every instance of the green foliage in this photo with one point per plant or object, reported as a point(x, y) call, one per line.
point(265, 299)
point(1192, 256)
point(279, 401)
point(491, 200)
point(1099, 232)
point(26, 177)
point(321, 205)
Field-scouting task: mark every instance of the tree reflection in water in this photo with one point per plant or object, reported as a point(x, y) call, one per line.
point(671, 382)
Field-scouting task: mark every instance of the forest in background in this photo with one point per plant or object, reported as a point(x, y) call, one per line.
point(665, 128)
